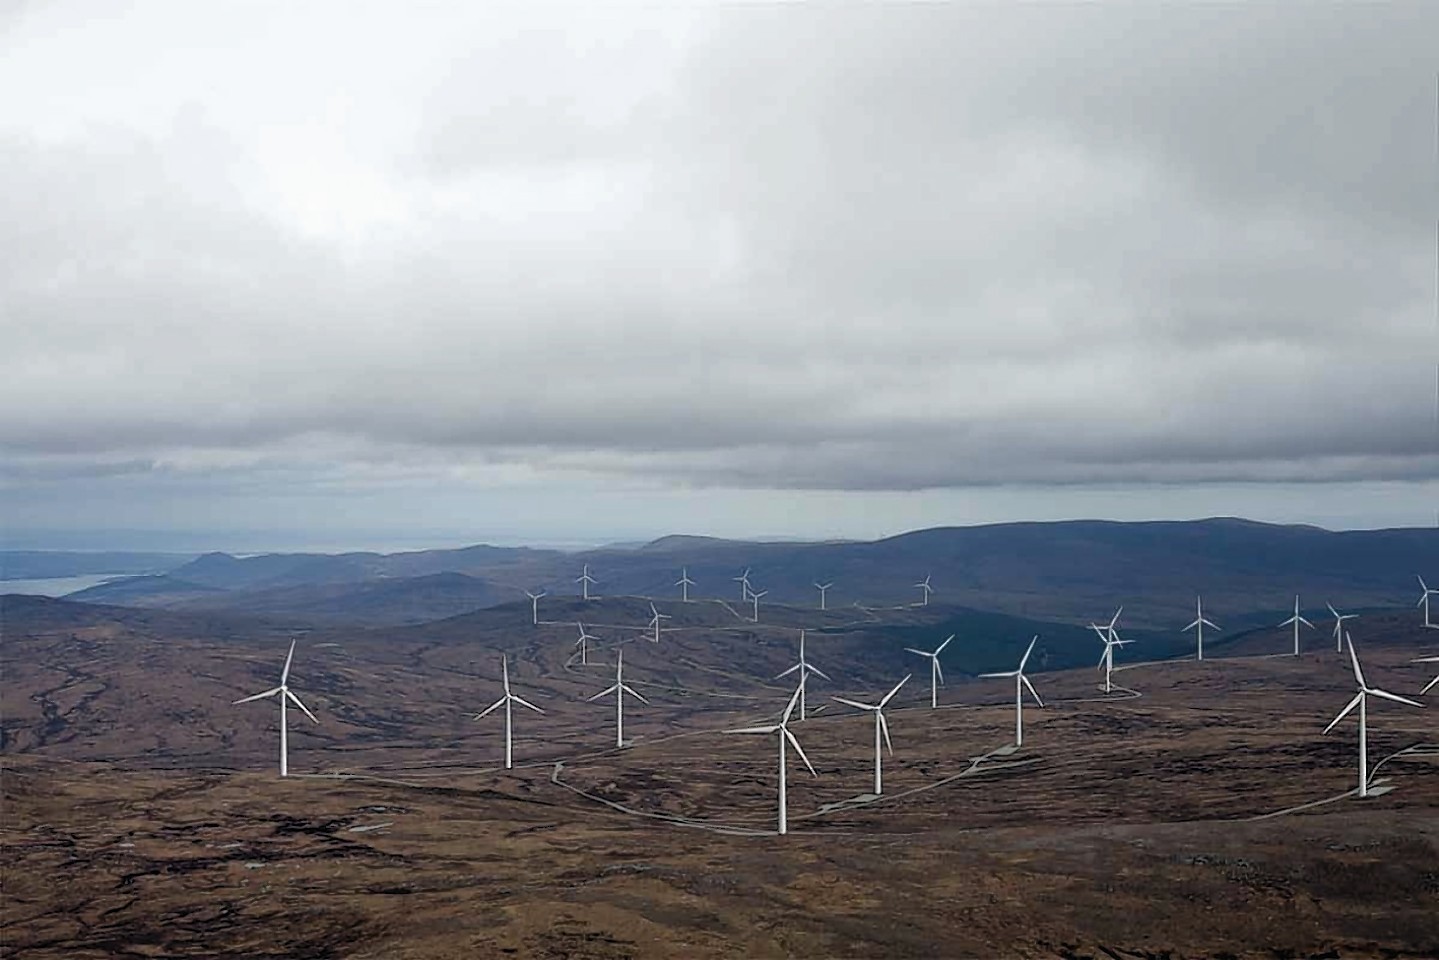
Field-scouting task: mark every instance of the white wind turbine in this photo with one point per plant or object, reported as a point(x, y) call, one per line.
point(881, 726)
point(822, 587)
point(619, 689)
point(782, 728)
point(1339, 630)
point(1360, 701)
point(926, 588)
point(1297, 619)
point(755, 597)
point(284, 693)
point(936, 675)
point(1430, 685)
point(684, 583)
point(583, 644)
point(1424, 600)
point(505, 702)
point(1110, 637)
point(1020, 682)
point(655, 622)
point(743, 581)
point(1199, 624)
point(805, 668)
point(535, 605)
point(584, 580)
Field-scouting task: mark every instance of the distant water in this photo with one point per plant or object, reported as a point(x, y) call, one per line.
point(57, 586)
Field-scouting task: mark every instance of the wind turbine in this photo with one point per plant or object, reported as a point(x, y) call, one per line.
point(505, 702)
point(805, 668)
point(1339, 630)
point(936, 675)
point(1424, 600)
point(584, 580)
point(1020, 682)
point(284, 693)
point(881, 726)
point(684, 583)
point(822, 587)
point(1297, 619)
point(619, 689)
point(655, 622)
point(743, 581)
point(1430, 685)
point(782, 728)
point(535, 606)
point(583, 644)
point(755, 597)
point(1110, 638)
point(926, 588)
point(1199, 624)
point(1360, 700)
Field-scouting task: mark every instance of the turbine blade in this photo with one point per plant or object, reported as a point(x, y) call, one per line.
point(884, 729)
point(261, 696)
point(525, 703)
point(943, 645)
point(817, 671)
point(789, 671)
point(854, 703)
point(1354, 659)
point(890, 696)
point(1429, 686)
point(1345, 712)
point(604, 693)
point(794, 699)
point(1190, 627)
point(769, 729)
point(634, 693)
point(1011, 673)
point(285, 674)
point(1306, 623)
point(1331, 609)
point(1031, 689)
point(938, 670)
point(490, 709)
point(1025, 659)
point(922, 653)
point(1395, 697)
point(296, 699)
point(798, 749)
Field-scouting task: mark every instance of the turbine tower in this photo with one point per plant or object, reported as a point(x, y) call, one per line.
point(684, 583)
point(284, 694)
point(1360, 700)
point(743, 581)
point(619, 689)
point(1339, 630)
point(583, 644)
point(1430, 685)
point(755, 597)
point(535, 606)
point(505, 702)
point(584, 580)
point(1424, 600)
point(1199, 624)
point(881, 726)
point(655, 622)
point(782, 728)
point(822, 587)
point(1297, 619)
point(805, 668)
point(926, 589)
point(1020, 682)
point(936, 675)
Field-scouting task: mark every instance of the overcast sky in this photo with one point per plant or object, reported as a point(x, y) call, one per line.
point(337, 274)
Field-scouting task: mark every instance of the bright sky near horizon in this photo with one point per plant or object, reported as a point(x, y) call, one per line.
point(339, 275)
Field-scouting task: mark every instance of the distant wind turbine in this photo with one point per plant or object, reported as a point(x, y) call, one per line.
point(655, 622)
point(1297, 619)
point(755, 597)
point(936, 675)
point(284, 693)
point(1430, 685)
point(584, 580)
point(535, 605)
point(743, 581)
point(505, 702)
point(822, 587)
point(805, 668)
point(1360, 701)
point(1339, 630)
point(583, 644)
point(1199, 624)
point(881, 726)
point(619, 689)
point(926, 589)
point(1110, 638)
point(782, 728)
point(1424, 600)
point(1020, 683)
point(684, 583)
